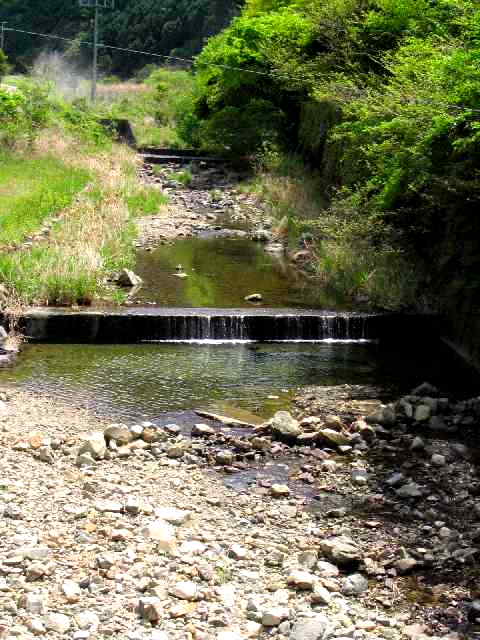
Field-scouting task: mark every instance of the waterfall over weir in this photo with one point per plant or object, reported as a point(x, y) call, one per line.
point(163, 324)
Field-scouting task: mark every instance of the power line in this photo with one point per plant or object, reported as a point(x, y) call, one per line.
point(192, 61)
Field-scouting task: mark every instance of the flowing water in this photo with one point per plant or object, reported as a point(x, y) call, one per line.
point(142, 381)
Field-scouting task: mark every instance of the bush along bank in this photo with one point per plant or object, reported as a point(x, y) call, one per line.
point(380, 98)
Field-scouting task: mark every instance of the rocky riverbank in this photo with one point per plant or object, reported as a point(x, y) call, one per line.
point(123, 531)
point(210, 201)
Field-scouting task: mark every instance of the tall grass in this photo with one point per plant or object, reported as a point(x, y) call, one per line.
point(354, 256)
point(31, 189)
point(96, 234)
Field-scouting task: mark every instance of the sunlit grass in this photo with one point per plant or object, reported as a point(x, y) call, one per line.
point(32, 189)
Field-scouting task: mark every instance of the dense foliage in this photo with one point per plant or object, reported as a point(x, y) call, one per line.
point(176, 27)
point(381, 97)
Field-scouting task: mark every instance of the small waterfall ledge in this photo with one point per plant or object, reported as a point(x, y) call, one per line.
point(152, 324)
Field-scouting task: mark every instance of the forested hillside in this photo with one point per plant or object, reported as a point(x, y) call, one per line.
point(161, 26)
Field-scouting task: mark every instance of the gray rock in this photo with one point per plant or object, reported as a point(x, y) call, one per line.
point(359, 476)
point(385, 415)
point(327, 569)
point(395, 479)
point(316, 628)
point(127, 278)
point(410, 490)
point(320, 595)
point(354, 585)
point(120, 433)
point(417, 444)
point(334, 437)
point(438, 460)
point(150, 609)
point(282, 423)
point(203, 430)
point(422, 413)
point(405, 565)
point(341, 550)
point(224, 457)
point(273, 616)
point(33, 603)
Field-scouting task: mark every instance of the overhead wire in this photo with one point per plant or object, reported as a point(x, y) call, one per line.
point(193, 61)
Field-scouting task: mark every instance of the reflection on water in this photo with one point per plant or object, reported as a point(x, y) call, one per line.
point(145, 380)
point(221, 272)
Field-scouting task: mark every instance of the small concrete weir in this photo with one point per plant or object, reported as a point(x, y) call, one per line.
point(141, 324)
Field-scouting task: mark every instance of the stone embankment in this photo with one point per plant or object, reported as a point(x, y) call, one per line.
point(124, 531)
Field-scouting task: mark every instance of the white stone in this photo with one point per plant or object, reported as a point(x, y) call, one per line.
point(57, 622)
point(163, 533)
point(320, 595)
point(301, 579)
point(71, 591)
point(87, 620)
point(94, 445)
point(238, 552)
point(283, 424)
point(192, 547)
point(33, 603)
point(438, 460)
point(279, 490)
point(108, 505)
point(184, 590)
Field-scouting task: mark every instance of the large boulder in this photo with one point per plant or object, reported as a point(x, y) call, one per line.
point(285, 425)
point(94, 445)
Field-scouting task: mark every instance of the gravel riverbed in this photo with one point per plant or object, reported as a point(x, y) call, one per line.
point(130, 532)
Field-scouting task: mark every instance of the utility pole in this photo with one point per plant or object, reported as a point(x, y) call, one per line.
point(96, 5)
point(2, 36)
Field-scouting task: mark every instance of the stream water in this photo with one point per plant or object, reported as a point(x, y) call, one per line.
point(221, 272)
point(143, 381)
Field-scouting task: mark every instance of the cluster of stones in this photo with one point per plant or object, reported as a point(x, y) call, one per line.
point(196, 207)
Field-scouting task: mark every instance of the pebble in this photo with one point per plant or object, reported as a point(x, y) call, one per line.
point(279, 490)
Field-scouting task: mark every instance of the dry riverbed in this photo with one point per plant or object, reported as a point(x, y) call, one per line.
point(129, 533)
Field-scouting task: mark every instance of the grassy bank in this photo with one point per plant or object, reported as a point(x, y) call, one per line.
point(32, 189)
point(97, 231)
